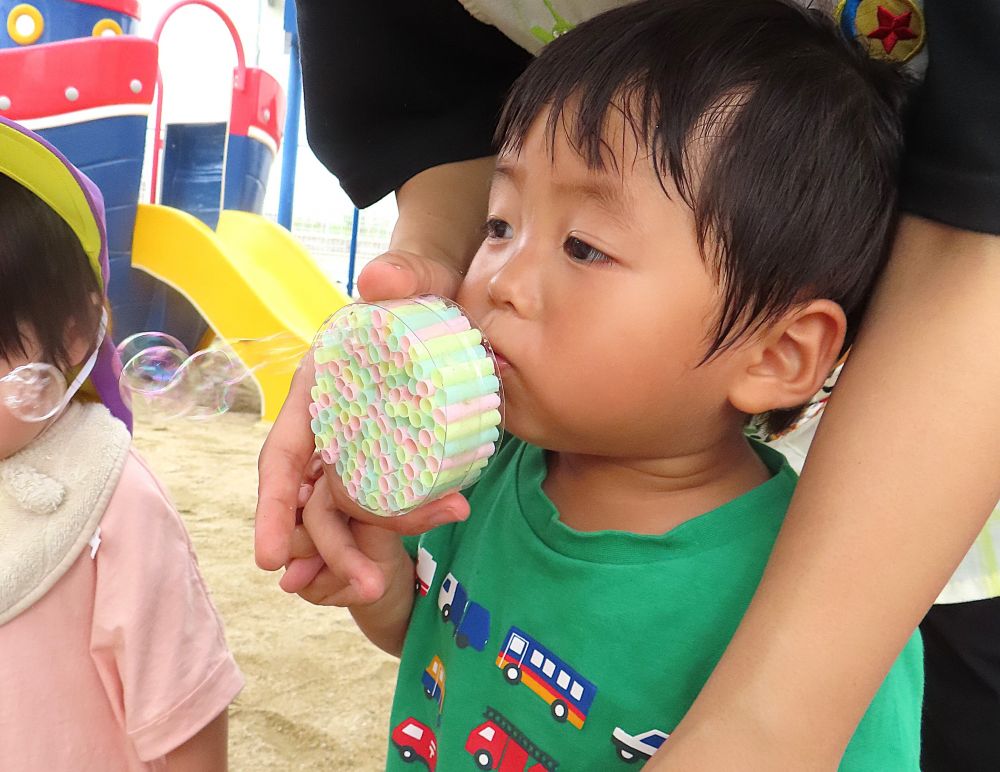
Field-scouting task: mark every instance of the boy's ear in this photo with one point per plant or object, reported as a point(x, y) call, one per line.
point(787, 365)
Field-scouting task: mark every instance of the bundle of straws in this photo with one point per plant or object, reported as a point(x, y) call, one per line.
point(406, 401)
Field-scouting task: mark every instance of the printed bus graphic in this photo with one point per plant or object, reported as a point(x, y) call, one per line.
point(524, 660)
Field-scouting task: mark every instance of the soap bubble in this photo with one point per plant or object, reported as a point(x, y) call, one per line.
point(163, 378)
point(33, 392)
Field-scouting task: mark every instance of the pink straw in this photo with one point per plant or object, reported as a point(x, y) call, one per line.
point(483, 451)
point(451, 413)
point(458, 324)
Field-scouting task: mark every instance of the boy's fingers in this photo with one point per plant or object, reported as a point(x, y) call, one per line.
point(328, 590)
point(313, 469)
point(300, 573)
point(283, 460)
point(400, 274)
point(301, 544)
point(305, 492)
point(451, 508)
point(331, 533)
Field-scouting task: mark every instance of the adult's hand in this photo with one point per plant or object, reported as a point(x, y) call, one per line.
point(441, 211)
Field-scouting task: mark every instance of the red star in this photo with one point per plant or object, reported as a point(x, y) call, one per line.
point(891, 29)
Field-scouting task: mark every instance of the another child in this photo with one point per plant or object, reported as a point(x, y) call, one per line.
point(112, 656)
point(691, 203)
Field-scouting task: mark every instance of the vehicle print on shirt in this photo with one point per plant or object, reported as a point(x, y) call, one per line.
point(633, 747)
point(498, 744)
point(433, 682)
point(524, 660)
point(416, 741)
point(426, 567)
point(471, 621)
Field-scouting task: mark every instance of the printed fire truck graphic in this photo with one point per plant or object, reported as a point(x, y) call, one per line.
point(426, 566)
point(524, 660)
point(472, 621)
point(415, 741)
point(498, 744)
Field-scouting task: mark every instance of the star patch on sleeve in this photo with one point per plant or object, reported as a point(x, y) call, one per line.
point(890, 29)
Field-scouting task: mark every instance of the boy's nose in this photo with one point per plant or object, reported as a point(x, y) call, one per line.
point(516, 284)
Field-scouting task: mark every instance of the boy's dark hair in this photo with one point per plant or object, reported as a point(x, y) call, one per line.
point(46, 280)
point(782, 137)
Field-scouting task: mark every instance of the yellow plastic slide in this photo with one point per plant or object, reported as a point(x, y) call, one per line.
point(249, 279)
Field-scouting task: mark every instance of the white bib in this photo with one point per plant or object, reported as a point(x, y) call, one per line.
point(52, 497)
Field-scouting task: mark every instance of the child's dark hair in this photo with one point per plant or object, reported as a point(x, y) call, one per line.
point(47, 283)
point(782, 137)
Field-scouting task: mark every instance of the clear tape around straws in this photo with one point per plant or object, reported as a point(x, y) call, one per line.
point(160, 373)
point(407, 404)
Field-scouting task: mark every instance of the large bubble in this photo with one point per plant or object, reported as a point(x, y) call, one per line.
point(33, 392)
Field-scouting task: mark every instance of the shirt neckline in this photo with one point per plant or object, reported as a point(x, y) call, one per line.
point(762, 508)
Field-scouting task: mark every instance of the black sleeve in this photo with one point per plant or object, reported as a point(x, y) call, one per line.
point(392, 88)
point(951, 171)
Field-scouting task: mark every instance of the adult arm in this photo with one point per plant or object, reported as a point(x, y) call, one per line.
point(903, 472)
point(900, 479)
point(392, 89)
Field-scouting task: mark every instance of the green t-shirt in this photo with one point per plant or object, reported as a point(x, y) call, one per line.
point(533, 646)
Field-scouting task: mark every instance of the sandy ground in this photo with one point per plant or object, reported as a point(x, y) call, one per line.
point(318, 694)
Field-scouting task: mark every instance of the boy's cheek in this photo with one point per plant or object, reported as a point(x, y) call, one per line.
point(472, 292)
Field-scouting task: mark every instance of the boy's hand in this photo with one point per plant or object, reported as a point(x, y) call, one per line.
point(339, 561)
point(284, 460)
point(342, 555)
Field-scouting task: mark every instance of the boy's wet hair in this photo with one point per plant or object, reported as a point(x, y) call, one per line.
point(47, 284)
point(782, 137)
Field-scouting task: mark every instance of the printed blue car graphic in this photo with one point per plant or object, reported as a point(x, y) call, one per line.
point(471, 621)
point(632, 748)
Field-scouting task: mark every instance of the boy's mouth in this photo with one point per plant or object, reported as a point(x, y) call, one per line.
point(502, 362)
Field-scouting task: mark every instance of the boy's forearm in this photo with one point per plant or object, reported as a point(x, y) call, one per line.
point(899, 481)
point(385, 622)
point(207, 751)
point(442, 211)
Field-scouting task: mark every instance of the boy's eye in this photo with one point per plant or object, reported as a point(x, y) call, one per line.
point(582, 252)
point(498, 229)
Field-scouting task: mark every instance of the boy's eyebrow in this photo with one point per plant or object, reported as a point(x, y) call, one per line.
point(611, 198)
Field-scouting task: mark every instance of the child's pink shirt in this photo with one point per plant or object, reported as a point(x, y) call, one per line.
point(124, 659)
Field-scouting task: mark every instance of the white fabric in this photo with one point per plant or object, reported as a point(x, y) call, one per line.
point(532, 23)
point(49, 508)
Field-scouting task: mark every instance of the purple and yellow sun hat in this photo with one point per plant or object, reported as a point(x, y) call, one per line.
point(34, 163)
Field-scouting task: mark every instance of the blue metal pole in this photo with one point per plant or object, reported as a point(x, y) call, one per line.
point(289, 152)
point(354, 252)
